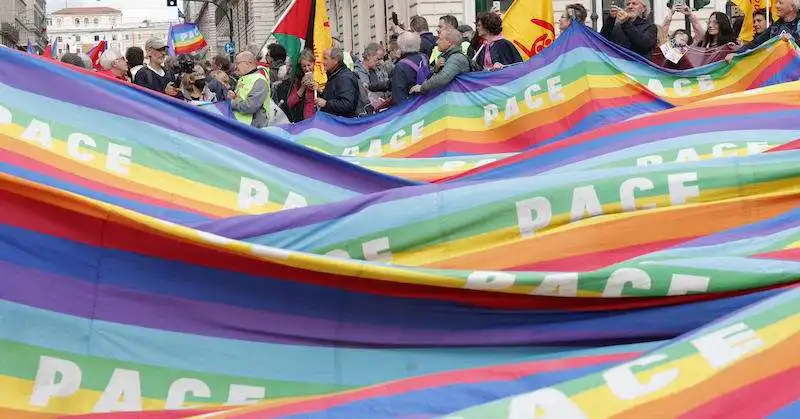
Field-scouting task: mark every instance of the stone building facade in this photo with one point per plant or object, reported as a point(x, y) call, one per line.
point(22, 21)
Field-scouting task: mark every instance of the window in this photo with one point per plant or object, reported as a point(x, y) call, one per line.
point(140, 37)
point(127, 37)
point(113, 21)
point(59, 39)
point(58, 22)
point(77, 38)
point(86, 21)
point(97, 38)
point(77, 22)
point(96, 22)
point(113, 37)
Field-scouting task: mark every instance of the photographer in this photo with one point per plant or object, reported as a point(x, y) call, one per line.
point(154, 76)
point(629, 28)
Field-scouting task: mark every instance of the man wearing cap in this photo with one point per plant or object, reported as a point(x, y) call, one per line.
point(154, 76)
point(114, 64)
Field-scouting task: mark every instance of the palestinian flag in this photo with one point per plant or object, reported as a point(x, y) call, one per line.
point(305, 23)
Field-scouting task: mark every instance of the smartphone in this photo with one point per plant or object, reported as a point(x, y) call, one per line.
point(395, 19)
point(679, 3)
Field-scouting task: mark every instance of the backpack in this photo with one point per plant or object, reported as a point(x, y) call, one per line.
point(422, 68)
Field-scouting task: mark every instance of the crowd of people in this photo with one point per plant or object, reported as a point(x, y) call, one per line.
point(413, 62)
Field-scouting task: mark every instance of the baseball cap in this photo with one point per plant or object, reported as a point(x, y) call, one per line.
point(154, 43)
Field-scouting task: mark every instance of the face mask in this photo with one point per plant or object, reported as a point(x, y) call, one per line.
point(200, 83)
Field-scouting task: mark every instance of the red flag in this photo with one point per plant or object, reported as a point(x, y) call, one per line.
point(96, 52)
point(47, 52)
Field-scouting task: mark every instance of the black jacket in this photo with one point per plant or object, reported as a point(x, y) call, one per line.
point(148, 79)
point(503, 52)
point(792, 28)
point(427, 43)
point(638, 35)
point(403, 77)
point(342, 92)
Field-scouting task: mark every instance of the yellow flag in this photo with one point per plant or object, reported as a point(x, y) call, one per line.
point(773, 7)
point(322, 40)
point(528, 24)
point(746, 6)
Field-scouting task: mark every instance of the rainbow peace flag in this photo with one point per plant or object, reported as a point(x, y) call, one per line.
point(636, 258)
point(579, 83)
point(185, 38)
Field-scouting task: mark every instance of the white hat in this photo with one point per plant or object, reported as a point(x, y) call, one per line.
point(108, 57)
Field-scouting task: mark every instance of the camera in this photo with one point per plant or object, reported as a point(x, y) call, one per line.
point(185, 66)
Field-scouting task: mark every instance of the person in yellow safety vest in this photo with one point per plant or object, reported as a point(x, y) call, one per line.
point(251, 100)
point(448, 21)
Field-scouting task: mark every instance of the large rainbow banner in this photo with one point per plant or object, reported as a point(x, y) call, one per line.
point(629, 251)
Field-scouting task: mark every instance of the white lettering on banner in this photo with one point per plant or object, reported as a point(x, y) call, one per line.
point(717, 151)
point(648, 160)
point(719, 348)
point(176, 395)
point(452, 165)
point(38, 131)
point(74, 142)
point(253, 192)
point(585, 200)
point(705, 83)
point(512, 109)
point(530, 101)
point(449, 166)
point(562, 284)
point(377, 250)
point(490, 113)
point(679, 191)
point(350, 151)
point(683, 284)
point(416, 131)
point(547, 403)
point(655, 86)
point(616, 282)
point(555, 92)
point(727, 345)
point(375, 148)
point(242, 394)
point(687, 154)
point(118, 158)
point(757, 147)
point(682, 87)
point(622, 381)
point(55, 378)
point(338, 253)
point(554, 89)
point(525, 220)
point(679, 87)
point(5, 116)
point(122, 394)
point(627, 189)
point(489, 280)
point(394, 142)
point(680, 284)
point(60, 378)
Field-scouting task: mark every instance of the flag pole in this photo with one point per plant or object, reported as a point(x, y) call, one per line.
point(278, 22)
point(769, 6)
